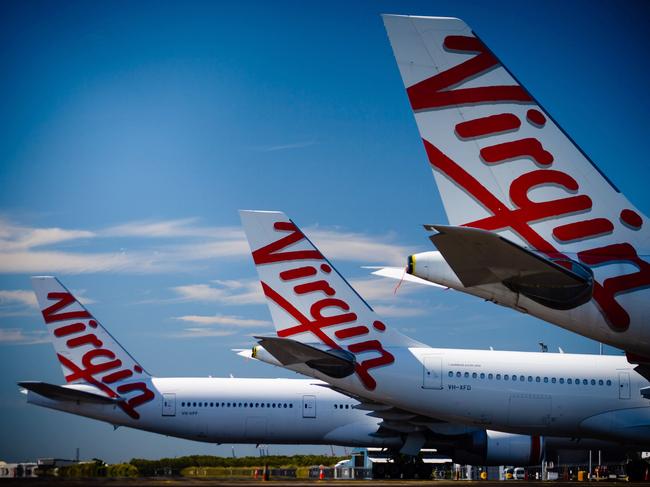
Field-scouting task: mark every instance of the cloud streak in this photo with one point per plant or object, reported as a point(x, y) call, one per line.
point(283, 147)
point(18, 336)
point(162, 246)
point(223, 292)
point(226, 320)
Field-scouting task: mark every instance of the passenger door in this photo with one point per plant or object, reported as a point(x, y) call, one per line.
point(169, 404)
point(308, 406)
point(623, 385)
point(432, 372)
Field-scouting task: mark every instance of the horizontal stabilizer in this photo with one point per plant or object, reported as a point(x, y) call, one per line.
point(61, 393)
point(334, 363)
point(400, 274)
point(480, 257)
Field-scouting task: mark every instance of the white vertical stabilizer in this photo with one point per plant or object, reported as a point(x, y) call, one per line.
point(87, 352)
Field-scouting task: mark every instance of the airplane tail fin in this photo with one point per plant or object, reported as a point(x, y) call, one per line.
point(87, 352)
point(310, 302)
point(500, 162)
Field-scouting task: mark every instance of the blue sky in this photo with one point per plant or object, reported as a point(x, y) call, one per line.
point(134, 131)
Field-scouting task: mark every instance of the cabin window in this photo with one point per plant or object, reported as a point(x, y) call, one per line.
point(537, 379)
point(467, 375)
point(506, 377)
point(546, 380)
point(514, 377)
point(530, 378)
point(450, 374)
point(498, 376)
point(482, 375)
point(593, 382)
point(553, 380)
point(585, 382)
point(600, 382)
point(609, 382)
point(474, 375)
point(561, 380)
point(490, 376)
point(290, 406)
point(458, 374)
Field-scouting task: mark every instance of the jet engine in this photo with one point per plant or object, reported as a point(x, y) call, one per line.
point(498, 448)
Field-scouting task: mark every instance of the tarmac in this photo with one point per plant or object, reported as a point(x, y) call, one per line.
point(173, 482)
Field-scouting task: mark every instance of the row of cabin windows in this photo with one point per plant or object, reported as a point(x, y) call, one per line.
point(530, 378)
point(341, 406)
point(201, 404)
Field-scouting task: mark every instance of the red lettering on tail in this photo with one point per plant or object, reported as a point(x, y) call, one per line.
point(491, 125)
point(434, 92)
point(129, 405)
point(517, 149)
point(271, 252)
point(51, 313)
point(519, 220)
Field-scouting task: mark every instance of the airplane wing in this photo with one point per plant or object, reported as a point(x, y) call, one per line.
point(60, 393)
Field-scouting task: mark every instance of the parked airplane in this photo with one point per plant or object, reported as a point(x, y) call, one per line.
point(104, 382)
point(326, 330)
point(533, 223)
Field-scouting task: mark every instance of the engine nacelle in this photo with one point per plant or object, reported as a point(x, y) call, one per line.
point(498, 448)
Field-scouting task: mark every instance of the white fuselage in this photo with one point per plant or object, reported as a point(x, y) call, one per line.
point(228, 410)
point(553, 395)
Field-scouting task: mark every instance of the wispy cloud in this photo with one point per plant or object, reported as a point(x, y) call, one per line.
point(357, 247)
point(281, 147)
point(185, 227)
point(16, 237)
point(38, 250)
point(20, 297)
point(404, 311)
point(163, 246)
point(223, 292)
point(202, 333)
point(225, 320)
point(18, 336)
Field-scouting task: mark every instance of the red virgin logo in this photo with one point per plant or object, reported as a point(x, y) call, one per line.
point(435, 93)
point(98, 366)
point(326, 309)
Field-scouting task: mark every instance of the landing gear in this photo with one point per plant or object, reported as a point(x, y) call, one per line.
point(637, 470)
point(402, 467)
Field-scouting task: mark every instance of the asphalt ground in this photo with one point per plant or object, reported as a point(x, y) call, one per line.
point(172, 482)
